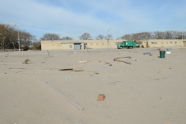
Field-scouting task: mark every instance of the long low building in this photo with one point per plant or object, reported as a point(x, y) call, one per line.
point(78, 44)
point(162, 43)
point(103, 44)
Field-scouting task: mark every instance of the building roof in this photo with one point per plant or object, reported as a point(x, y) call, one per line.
point(79, 41)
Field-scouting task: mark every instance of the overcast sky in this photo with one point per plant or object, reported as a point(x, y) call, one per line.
point(74, 17)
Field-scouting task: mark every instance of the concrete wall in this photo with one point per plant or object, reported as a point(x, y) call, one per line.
point(162, 43)
point(100, 44)
point(69, 45)
point(184, 43)
point(97, 44)
point(56, 45)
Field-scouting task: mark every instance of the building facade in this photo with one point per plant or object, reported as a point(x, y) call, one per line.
point(184, 43)
point(78, 44)
point(162, 43)
point(104, 44)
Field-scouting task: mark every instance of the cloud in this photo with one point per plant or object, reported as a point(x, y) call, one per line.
point(48, 18)
point(74, 17)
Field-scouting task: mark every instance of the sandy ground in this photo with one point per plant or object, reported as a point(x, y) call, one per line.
point(150, 90)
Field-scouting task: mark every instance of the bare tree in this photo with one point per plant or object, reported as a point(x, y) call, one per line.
point(154, 35)
point(9, 37)
point(126, 37)
point(50, 36)
point(108, 37)
point(66, 38)
point(4, 33)
point(25, 39)
point(36, 46)
point(100, 37)
point(85, 36)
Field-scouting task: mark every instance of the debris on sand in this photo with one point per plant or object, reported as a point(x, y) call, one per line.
point(107, 63)
point(147, 53)
point(27, 61)
point(83, 61)
point(96, 73)
point(119, 59)
point(101, 97)
point(72, 69)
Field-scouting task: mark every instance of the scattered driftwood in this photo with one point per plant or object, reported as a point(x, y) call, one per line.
point(27, 61)
point(107, 63)
point(72, 69)
point(119, 59)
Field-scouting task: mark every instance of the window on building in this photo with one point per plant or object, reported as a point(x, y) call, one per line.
point(154, 43)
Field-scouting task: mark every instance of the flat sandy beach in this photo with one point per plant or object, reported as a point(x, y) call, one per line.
point(138, 89)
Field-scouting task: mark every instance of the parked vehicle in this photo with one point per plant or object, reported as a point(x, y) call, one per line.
point(127, 44)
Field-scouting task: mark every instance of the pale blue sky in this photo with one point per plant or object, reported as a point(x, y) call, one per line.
point(74, 17)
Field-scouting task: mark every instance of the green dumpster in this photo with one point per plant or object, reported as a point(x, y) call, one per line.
point(162, 54)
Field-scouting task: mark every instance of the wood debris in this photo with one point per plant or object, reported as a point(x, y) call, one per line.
point(72, 69)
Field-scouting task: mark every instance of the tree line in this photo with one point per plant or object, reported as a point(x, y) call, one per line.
point(12, 38)
point(155, 35)
point(135, 36)
point(84, 36)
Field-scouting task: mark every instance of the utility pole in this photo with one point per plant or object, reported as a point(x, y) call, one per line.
point(182, 36)
point(18, 38)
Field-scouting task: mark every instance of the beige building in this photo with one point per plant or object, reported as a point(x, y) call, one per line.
point(78, 44)
point(103, 44)
point(184, 43)
point(162, 43)
point(58, 45)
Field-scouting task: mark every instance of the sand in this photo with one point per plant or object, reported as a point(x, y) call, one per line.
point(150, 90)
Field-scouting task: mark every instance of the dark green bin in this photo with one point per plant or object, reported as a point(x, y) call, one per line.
point(162, 54)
